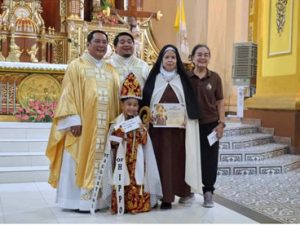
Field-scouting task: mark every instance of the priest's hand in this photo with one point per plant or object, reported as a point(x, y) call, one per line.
point(76, 130)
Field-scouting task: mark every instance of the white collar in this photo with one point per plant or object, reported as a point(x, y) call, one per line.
point(123, 60)
point(168, 76)
point(94, 60)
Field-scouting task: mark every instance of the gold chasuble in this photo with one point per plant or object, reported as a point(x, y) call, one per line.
point(91, 92)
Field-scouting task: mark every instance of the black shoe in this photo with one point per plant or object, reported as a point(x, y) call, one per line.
point(155, 206)
point(166, 205)
point(81, 211)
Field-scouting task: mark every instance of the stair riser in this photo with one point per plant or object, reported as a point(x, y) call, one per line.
point(23, 146)
point(245, 144)
point(24, 176)
point(257, 157)
point(11, 133)
point(24, 160)
point(255, 170)
point(240, 156)
point(240, 131)
point(292, 166)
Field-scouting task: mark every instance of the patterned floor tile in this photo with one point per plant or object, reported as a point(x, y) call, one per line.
point(276, 196)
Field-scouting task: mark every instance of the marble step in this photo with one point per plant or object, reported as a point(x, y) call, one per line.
point(24, 174)
point(15, 130)
point(233, 129)
point(276, 165)
point(14, 159)
point(22, 152)
point(23, 145)
point(245, 141)
point(255, 153)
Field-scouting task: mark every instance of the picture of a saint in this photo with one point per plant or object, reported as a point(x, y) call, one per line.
point(160, 115)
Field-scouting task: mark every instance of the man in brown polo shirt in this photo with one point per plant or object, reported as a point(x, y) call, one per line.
point(208, 89)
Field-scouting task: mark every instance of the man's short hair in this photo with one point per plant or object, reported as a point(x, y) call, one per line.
point(116, 40)
point(91, 35)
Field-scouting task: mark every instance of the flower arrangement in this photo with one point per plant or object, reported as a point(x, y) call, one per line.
point(37, 111)
point(104, 16)
point(108, 20)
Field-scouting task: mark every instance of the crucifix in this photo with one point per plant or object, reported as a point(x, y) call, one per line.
point(133, 13)
point(135, 10)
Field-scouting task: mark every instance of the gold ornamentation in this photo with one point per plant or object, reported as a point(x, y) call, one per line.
point(87, 195)
point(37, 11)
point(34, 49)
point(149, 55)
point(8, 118)
point(58, 51)
point(281, 14)
point(12, 75)
point(8, 87)
point(22, 12)
point(54, 46)
point(15, 52)
point(145, 114)
point(74, 10)
point(26, 25)
point(63, 8)
point(38, 86)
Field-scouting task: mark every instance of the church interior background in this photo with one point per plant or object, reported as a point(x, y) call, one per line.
point(258, 175)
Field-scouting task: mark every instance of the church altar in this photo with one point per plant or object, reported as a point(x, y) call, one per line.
point(32, 66)
point(20, 81)
point(38, 39)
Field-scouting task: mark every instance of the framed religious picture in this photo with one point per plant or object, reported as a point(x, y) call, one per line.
point(168, 115)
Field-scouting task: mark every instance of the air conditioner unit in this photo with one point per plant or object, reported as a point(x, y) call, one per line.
point(244, 63)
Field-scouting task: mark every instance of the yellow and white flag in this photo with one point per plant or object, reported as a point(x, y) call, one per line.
point(180, 26)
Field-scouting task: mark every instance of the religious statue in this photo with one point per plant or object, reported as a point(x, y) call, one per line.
point(134, 28)
point(37, 15)
point(5, 12)
point(34, 49)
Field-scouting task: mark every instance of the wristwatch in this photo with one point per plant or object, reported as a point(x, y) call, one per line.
point(221, 122)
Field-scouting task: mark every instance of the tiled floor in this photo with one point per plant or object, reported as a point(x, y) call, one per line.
point(34, 203)
point(275, 196)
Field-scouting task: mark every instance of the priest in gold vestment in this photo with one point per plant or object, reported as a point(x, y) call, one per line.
point(125, 61)
point(88, 102)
